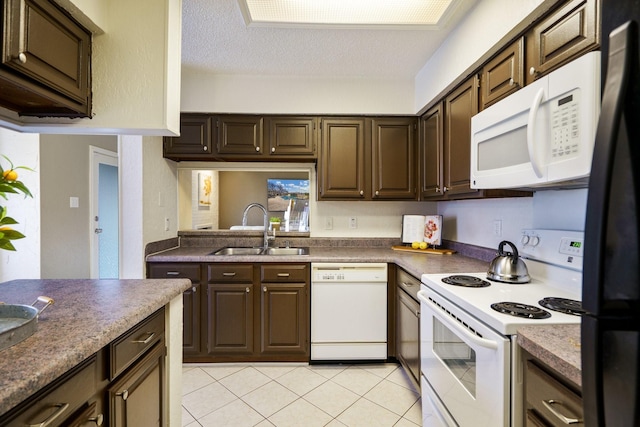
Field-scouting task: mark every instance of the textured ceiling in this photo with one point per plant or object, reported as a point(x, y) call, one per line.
point(216, 39)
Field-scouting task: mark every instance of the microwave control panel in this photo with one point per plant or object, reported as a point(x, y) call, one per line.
point(565, 137)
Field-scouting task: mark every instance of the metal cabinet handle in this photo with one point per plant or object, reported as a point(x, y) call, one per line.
point(273, 149)
point(99, 419)
point(124, 394)
point(283, 274)
point(511, 82)
point(408, 285)
point(51, 418)
point(257, 148)
point(533, 71)
point(549, 405)
point(205, 148)
point(377, 193)
point(22, 57)
point(247, 289)
point(437, 189)
point(146, 340)
point(445, 189)
point(173, 273)
point(362, 192)
point(194, 289)
point(417, 313)
point(264, 289)
point(229, 274)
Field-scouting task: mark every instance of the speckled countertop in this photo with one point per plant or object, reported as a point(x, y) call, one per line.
point(558, 346)
point(414, 263)
point(86, 316)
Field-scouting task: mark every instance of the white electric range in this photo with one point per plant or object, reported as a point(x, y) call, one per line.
point(470, 362)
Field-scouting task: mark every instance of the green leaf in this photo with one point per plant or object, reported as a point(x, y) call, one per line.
point(7, 220)
point(12, 234)
point(7, 246)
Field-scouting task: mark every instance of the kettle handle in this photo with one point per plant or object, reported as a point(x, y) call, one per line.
point(514, 255)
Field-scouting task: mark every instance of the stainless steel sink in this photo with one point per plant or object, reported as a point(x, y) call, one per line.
point(287, 251)
point(238, 251)
point(261, 251)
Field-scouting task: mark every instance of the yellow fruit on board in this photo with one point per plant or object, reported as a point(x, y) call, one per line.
point(423, 245)
point(415, 245)
point(10, 175)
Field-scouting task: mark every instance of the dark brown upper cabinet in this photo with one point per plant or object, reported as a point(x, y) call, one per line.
point(431, 153)
point(341, 161)
point(565, 34)
point(459, 106)
point(393, 159)
point(503, 75)
point(46, 61)
point(291, 137)
point(240, 135)
point(195, 141)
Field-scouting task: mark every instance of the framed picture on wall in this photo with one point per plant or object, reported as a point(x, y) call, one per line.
point(204, 188)
point(281, 193)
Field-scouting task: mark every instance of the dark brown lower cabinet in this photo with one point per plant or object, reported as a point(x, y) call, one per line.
point(136, 399)
point(408, 324)
point(257, 312)
point(230, 314)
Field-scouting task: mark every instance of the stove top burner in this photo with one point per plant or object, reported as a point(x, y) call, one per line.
point(563, 305)
point(521, 310)
point(466, 281)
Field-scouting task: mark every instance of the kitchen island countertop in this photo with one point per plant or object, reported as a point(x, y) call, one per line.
point(86, 316)
point(558, 346)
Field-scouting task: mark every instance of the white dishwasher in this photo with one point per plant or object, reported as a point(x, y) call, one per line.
point(348, 311)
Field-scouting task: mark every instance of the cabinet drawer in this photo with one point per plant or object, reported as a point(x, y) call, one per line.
point(550, 399)
point(230, 273)
point(56, 405)
point(175, 271)
point(408, 283)
point(284, 273)
point(126, 349)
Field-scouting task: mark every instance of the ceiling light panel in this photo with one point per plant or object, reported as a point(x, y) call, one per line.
point(347, 12)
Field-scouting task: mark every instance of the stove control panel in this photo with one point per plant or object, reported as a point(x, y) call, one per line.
point(558, 247)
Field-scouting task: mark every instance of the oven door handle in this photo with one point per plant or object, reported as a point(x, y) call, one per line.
point(482, 342)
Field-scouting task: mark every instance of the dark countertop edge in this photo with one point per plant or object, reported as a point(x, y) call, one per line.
point(42, 374)
point(557, 346)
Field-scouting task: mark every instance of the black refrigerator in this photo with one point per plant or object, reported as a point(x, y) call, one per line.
point(611, 272)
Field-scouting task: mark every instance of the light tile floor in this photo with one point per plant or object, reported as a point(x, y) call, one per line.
point(283, 394)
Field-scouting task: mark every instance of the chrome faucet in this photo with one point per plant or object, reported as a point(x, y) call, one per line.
point(266, 221)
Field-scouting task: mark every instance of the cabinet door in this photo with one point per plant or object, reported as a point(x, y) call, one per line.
point(408, 333)
point(195, 140)
point(565, 34)
point(42, 43)
point(431, 153)
point(460, 106)
point(190, 301)
point(136, 399)
point(504, 74)
point(291, 136)
point(230, 318)
point(240, 135)
point(284, 318)
point(341, 164)
point(393, 158)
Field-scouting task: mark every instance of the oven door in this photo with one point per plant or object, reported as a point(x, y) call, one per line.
point(466, 363)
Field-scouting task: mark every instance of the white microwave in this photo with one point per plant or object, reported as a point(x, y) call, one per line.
point(542, 135)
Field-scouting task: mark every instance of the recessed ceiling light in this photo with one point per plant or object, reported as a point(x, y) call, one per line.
point(348, 13)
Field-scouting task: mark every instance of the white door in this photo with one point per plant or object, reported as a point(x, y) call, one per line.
point(104, 219)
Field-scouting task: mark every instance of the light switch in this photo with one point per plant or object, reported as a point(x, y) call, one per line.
point(74, 202)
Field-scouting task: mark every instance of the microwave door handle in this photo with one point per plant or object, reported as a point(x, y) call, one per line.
point(533, 114)
point(482, 342)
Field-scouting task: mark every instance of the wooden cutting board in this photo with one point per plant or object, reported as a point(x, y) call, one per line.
point(424, 251)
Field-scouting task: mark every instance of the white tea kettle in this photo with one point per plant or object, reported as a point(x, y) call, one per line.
point(507, 267)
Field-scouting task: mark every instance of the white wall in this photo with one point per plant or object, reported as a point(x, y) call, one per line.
point(22, 150)
point(293, 95)
point(135, 72)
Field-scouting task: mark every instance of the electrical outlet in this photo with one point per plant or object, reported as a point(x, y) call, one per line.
point(353, 222)
point(497, 227)
point(166, 224)
point(328, 223)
